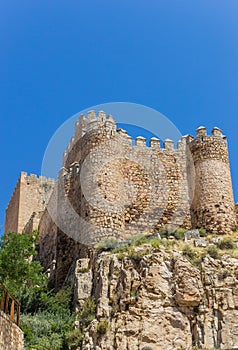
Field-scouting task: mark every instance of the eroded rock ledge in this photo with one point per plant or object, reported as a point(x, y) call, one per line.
point(156, 299)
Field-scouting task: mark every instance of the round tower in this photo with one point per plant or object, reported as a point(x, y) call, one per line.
point(91, 184)
point(213, 202)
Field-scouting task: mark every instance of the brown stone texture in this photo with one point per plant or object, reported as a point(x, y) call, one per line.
point(159, 300)
point(33, 223)
point(236, 212)
point(213, 202)
point(29, 198)
point(110, 187)
point(113, 187)
point(11, 336)
point(118, 189)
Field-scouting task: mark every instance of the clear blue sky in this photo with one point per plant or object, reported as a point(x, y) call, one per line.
point(179, 57)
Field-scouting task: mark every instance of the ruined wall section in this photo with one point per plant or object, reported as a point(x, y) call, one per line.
point(213, 204)
point(31, 195)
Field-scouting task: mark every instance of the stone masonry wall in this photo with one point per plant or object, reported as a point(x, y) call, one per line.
point(30, 196)
point(117, 188)
point(236, 212)
point(11, 336)
point(111, 187)
point(33, 223)
point(12, 211)
point(213, 204)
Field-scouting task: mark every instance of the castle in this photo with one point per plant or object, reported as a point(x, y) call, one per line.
point(111, 186)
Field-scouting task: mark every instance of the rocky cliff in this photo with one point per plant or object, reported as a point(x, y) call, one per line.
point(153, 298)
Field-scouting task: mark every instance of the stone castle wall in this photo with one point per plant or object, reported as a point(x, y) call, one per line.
point(118, 188)
point(213, 203)
point(135, 188)
point(11, 336)
point(30, 196)
point(236, 212)
point(12, 211)
point(113, 186)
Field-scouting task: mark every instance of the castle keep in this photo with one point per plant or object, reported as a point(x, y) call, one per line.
point(112, 186)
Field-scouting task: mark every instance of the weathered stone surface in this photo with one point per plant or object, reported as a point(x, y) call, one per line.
point(191, 234)
point(200, 243)
point(29, 198)
point(118, 189)
point(161, 301)
point(188, 286)
point(11, 336)
point(111, 188)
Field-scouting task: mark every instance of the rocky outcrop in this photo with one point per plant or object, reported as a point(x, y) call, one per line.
point(153, 299)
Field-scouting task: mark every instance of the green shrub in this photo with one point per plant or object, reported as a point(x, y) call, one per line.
point(179, 233)
point(121, 256)
point(87, 313)
point(202, 232)
point(103, 327)
point(189, 252)
point(140, 240)
point(137, 256)
point(226, 243)
point(107, 244)
point(45, 331)
point(155, 242)
point(121, 248)
point(73, 339)
point(164, 233)
point(213, 251)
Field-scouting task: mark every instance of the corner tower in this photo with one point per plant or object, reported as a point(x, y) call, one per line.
point(213, 202)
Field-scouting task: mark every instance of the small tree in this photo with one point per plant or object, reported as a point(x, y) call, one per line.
point(19, 270)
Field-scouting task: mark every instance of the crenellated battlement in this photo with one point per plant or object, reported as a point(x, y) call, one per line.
point(93, 121)
point(88, 123)
point(205, 152)
point(107, 125)
point(31, 178)
point(201, 133)
point(113, 185)
point(197, 163)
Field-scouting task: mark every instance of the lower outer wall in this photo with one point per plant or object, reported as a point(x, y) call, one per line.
point(11, 336)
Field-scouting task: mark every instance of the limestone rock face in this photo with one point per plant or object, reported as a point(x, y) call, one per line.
point(156, 299)
point(188, 286)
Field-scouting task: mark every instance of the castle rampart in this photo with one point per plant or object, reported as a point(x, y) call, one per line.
point(188, 185)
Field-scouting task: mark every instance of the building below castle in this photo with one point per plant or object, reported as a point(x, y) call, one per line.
point(112, 186)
